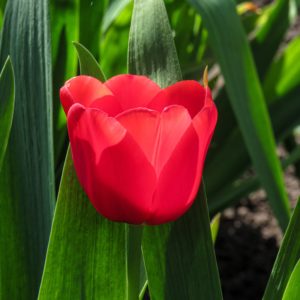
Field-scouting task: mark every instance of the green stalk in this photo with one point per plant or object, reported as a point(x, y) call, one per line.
point(134, 235)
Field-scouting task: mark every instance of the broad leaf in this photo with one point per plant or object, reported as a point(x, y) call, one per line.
point(179, 256)
point(27, 176)
point(86, 253)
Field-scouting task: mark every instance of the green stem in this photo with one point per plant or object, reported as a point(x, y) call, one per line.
point(133, 260)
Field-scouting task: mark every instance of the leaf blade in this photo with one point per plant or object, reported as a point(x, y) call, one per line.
point(7, 106)
point(246, 97)
point(287, 257)
point(26, 184)
point(170, 250)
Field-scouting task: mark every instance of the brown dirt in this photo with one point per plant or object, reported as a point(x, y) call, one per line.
point(248, 242)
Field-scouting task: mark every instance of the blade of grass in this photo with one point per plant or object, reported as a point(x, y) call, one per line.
point(288, 256)
point(246, 97)
point(7, 102)
point(179, 257)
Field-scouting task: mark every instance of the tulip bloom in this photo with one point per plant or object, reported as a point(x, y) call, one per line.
point(138, 150)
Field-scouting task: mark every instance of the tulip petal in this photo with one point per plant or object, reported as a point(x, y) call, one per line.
point(188, 93)
point(82, 89)
point(156, 133)
point(108, 104)
point(204, 123)
point(111, 167)
point(132, 91)
point(173, 195)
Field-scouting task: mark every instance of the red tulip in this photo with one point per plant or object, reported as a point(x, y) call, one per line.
point(138, 150)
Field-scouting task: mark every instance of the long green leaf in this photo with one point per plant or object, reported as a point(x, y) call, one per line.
point(86, 253)
point(246, 97)
point(86, 256)
point(64, 30)
point(27, 178)
point(179, 257)
point(90, 22)
point(7, 102)
point(150, 31)
point(292, 291)
point(288, 256)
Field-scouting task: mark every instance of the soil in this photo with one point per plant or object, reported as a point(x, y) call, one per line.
point(248, 243)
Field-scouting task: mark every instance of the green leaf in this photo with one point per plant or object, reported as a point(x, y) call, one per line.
point(284, 73)
point(86, 253)
point(90, 22)
point(292, 291)
point(246, 97)
point(272, 26)
point(113, 11)
point(64, 30)
point(7, 102)
point(86, 256)
point(163, 65)
point(88, 64)
point(179, 257)
point(214, 227)
point(288, 256)
point(27, 176)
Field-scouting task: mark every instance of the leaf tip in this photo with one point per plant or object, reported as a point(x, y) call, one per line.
point(205, 77)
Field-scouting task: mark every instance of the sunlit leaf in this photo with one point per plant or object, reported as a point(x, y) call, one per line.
point(287, 258)
point(86, 254)
point(292, 291)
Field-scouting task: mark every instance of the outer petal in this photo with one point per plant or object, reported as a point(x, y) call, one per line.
point(132, 90)
point(112, 169)
point(156, 133)
point(82, 89)
point(204, 123)
point(180, 179)
point(188, 93)
point(176, 181)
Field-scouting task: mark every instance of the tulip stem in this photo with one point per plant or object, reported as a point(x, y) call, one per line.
point(133, 260)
